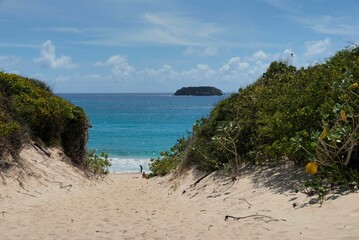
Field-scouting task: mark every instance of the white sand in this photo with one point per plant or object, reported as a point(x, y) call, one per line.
point(126, 206)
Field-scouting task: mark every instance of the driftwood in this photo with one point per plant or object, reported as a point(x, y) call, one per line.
point(253, 215)
point(198, 180)
point(68, 187)
point(39, 147)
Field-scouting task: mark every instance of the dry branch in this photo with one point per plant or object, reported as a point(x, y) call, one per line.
point(253, 215)
point(39, 147)
point(68, 187)
point(198, 180)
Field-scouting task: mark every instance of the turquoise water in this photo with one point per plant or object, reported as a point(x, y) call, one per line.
point(134, 128)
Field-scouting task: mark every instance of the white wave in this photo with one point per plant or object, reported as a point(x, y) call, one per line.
point(129, 165)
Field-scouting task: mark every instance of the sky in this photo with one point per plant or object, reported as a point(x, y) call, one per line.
point(140, 46)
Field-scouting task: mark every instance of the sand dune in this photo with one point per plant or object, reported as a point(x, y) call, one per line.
point(58, 202)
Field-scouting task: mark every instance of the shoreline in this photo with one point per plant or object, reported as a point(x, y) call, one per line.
point(128, 164)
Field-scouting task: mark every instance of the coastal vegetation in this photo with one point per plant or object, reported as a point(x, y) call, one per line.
point(29, 111)
point(309, 116)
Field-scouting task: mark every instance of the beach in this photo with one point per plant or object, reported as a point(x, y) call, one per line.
point(56, 201)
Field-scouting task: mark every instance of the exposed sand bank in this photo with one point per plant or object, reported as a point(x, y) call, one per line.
point(58, 202)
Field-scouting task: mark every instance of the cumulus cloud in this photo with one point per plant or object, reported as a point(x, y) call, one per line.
point(287, 56)
point(260, 55)
point(316, 47)
point(236, 72)
point(200, 72)
point(234, 64)
point(120, 68)
point(49, 59)
point(165, 69)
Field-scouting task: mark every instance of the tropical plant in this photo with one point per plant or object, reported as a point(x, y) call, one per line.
point(28, 109)
point(98, 165)
point(306, 115)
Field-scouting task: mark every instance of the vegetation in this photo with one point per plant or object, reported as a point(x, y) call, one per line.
point(29, 110)
point(198, 91)
point(307, 115)
point(98, 164)
point(169, 159)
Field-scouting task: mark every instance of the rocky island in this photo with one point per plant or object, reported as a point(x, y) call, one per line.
point(199, 91)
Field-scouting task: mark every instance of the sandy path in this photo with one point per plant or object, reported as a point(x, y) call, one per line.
point(126, 206)
point(129, 207)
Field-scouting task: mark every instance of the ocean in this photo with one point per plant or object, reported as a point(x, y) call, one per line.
point(133, 128)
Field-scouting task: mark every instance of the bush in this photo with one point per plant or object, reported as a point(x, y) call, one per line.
point(169, 160)
point(98, 165)
point(28, 108)
point(336, 148)
point(281, 116)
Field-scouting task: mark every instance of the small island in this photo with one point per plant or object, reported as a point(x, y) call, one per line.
point(199, 91)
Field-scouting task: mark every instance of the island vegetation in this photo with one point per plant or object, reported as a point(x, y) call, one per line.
point(198, 91)
point(309, 116)
point(30, 112)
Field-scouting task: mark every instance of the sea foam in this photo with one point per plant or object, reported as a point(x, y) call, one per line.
point(129, 165)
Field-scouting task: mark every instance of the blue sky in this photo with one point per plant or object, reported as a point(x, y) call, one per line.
point(161, 45)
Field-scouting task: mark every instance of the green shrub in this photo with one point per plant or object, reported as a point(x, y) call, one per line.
point(281, 116)
point(98, 165)
point(28, 108)
point(336, 148)
point(169, 160)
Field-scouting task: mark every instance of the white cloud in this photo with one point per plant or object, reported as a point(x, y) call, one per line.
point(260, 55)
point(120, 68)
point(236, 72)
point(210, 51)
point(199, 51)
point(189, 51)
point(64, 29)
point(287, 56)
point(63, 78)
point(18, 45)
point(283, 5)
point(49, 59)
point(167, 77)
point(317, 47)
point(113, 60)
point(165, 74)
point(240, 72)
point(170, 28)
point(328, 24)
point(234, 65)
point(8, 63)
point(200, 72)
point(182, 26)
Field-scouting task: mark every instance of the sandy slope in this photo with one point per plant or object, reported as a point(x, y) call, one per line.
point(57, 202)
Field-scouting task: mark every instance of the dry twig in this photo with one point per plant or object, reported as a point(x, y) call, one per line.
point(253, 215)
